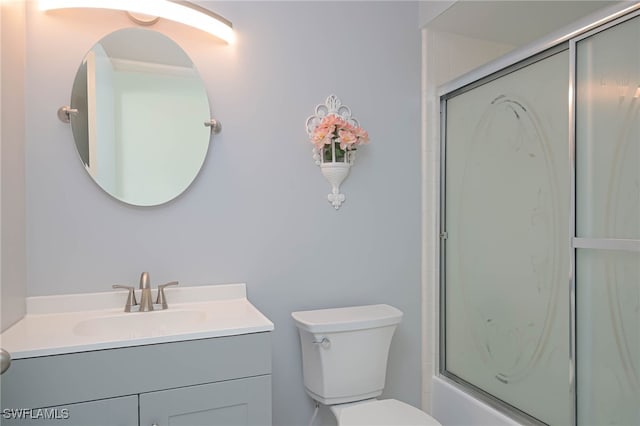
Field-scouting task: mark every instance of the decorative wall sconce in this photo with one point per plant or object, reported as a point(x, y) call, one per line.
point(180, 11)
point(335, 134)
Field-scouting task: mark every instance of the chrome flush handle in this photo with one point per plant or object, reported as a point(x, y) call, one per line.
point(324, 342)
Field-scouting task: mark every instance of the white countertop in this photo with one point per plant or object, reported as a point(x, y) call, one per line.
point(67, 323)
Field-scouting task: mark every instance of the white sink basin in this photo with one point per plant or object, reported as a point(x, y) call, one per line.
point(138, 324)
point(62, 324)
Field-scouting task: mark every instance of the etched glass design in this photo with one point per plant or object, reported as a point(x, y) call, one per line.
point(507, 252)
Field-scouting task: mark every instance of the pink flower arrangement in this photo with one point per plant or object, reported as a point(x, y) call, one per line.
point(334, 129)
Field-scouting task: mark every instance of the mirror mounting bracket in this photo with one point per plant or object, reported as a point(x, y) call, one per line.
point(215, 125)
point(65, 113)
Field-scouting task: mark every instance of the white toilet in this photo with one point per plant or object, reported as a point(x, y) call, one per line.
point(344, 361)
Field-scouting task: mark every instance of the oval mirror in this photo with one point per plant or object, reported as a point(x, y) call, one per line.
point(138, 108)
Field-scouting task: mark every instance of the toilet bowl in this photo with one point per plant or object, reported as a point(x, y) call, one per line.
point(344, 362)
point(385, 412)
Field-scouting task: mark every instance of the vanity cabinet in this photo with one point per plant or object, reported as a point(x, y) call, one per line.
point(214, 381)
point(121, 411)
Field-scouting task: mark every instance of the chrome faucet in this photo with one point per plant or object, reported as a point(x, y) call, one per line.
point(146, 302)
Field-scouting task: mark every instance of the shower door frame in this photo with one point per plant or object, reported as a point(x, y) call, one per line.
point(505, 65)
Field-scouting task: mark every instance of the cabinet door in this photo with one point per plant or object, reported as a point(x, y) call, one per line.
point(106, 412)
point(240, 402)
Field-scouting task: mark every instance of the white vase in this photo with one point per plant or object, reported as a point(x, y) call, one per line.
point(335, 173)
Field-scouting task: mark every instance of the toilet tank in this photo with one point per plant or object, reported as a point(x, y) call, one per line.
point(345, 351)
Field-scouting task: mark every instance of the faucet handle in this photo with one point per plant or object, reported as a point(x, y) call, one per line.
point(131, 297)
point(161, 299)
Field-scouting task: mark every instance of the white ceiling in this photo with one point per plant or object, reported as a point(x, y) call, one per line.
point(516, 22)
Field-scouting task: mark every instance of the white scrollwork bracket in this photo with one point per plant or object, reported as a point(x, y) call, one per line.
point(333, 105)
point(334, 172)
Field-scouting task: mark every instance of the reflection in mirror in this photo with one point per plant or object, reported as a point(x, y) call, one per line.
point(140, 107)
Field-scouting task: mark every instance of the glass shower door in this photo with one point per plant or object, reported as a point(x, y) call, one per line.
point(608, 225)
point(521, 229)
point(507, 239)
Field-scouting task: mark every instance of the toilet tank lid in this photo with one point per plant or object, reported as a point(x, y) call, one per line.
point(347, 319)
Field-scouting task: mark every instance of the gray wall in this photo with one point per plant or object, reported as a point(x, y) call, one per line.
point(257, 213)
point(13, 270)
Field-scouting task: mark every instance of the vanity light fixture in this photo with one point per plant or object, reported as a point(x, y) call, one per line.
point(179, 11)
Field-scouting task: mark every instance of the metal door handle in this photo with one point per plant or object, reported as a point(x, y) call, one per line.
point(5, 360)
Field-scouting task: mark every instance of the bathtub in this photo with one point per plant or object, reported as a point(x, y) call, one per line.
point(451, 406)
